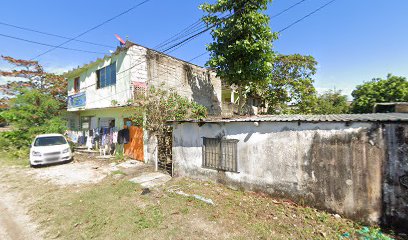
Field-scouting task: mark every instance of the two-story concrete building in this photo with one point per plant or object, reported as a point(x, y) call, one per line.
point(100, 93)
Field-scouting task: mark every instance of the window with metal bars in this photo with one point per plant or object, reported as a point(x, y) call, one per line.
point(220, 154)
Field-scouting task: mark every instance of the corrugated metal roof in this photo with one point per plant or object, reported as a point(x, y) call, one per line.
point(372, 117)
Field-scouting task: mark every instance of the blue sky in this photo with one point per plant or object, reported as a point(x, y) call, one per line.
point(353, 41)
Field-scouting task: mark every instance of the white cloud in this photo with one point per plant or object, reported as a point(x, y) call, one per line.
point(4, 80)
point(59, 70)
point(344, 91)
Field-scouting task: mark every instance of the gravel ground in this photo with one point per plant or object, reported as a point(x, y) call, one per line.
point(75, 173)
point(85, 172)
point(15, 224)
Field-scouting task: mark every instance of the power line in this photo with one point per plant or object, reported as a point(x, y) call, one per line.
point(202, 54)
point(195, 35)
point(48, 45)
point(52, 34)
point(138, 63)
point(112, 95)
point(196, 23)
point(287, 9)
point(201, 32)
point(185, 30)
point(186, 34)
point(178, 45)
point(308, 15)
point(195, 27)
point(91, 29)
point(188, 39)
point(181, 43)
point(185, 40)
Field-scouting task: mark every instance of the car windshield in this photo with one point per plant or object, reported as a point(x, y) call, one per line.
point(49, 141)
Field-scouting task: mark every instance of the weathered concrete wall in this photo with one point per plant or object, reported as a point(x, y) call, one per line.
point(395, 189)
point(150, 148)
point(329, 165)
point(195, 83)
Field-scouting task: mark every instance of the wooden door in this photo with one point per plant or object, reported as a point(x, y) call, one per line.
point(134, 149)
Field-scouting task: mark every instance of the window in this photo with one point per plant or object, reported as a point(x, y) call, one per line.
point(106, 76)
point(49, 141)
point(220, 154)
point(72, 124)
point(85, 123)
point(77, 84)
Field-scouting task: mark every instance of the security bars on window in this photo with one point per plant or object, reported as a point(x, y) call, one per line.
point(220, 154)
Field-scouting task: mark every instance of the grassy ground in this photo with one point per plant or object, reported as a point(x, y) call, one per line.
point(115, 209)
point(8, 159)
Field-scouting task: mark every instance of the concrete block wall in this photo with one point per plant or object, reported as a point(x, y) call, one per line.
point(195, 83)
point(334, 166)
point(138, 64)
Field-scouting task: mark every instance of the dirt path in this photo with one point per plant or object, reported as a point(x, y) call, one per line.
point(15, 224)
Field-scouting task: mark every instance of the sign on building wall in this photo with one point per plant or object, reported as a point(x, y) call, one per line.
point(77, 100)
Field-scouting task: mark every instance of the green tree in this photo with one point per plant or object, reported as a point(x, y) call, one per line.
point(290, 88)
point(241, 51)
point(160, 105)
point(33, 104)
point(332, 102)
point(30, 113)
point(391, 89)
point(31, 75)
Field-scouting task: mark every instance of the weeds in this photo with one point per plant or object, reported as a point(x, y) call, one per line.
point(116, 210)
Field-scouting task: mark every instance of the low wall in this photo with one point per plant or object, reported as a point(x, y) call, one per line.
point(331, 165)
point(395, 185)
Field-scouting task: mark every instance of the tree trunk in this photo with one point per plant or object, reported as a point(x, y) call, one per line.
point(241, 100)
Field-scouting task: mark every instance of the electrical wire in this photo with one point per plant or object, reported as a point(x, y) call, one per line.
point(202, 54)
point(306, 16)
point(172, 48)
point(138, 63)
point(52, 34)
point(274, 16)
point(48, 45)
point(287, 9)
point(178, 45)
point(91, 29)
point(193, 28)
point(126, 90)
point(187, 29)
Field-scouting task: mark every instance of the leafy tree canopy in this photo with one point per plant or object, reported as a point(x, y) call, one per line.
point(33, 77)
point(241, 51)
point(332, 102)
point(30, 113)
point(290, 88)
point(391, 89)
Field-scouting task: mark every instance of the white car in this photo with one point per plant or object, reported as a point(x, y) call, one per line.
point(49, 148)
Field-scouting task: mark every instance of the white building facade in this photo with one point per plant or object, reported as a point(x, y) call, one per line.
point(100, 93)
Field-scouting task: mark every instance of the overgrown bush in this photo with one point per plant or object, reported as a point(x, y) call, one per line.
point(160, 105)
point(30, 113)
